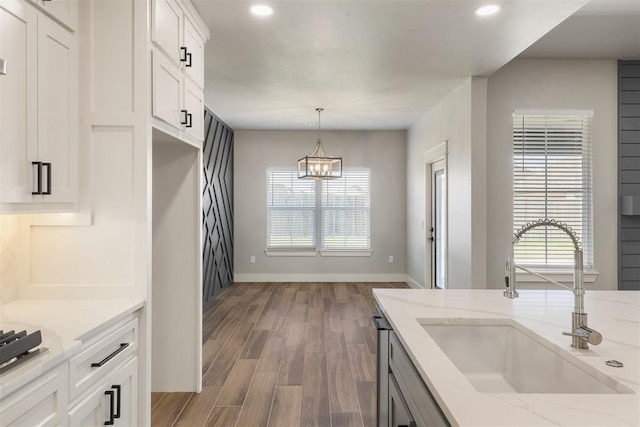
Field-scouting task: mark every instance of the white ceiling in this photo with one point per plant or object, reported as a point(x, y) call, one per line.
point(372, 64)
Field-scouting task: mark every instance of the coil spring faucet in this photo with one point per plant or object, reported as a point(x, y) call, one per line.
point(581, 334)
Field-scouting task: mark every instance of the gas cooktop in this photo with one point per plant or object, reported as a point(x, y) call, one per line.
point(16, 348)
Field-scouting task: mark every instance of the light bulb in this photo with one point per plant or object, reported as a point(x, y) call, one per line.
point(486, 10)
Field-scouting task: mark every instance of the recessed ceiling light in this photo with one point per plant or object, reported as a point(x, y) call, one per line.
point(261, 10)
point(488, 9)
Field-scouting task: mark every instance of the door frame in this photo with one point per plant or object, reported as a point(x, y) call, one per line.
point(436, 154)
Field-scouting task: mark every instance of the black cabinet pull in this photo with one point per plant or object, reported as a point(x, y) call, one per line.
point(184, 121)
point(110, 393)
point(111, 356)
point(188, 60)
point(38, 178)
point(189, 117)
point(118, 389)
point(48, 166)
point(183, 54)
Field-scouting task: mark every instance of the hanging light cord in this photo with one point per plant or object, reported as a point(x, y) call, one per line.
point(319, 110)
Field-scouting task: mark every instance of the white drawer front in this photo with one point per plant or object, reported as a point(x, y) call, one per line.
point(102, 357)
point(42, 402)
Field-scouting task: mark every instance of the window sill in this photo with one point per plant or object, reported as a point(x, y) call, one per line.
point(361, 253)
point(313, 252)
point(562, 276)
point(293, 253)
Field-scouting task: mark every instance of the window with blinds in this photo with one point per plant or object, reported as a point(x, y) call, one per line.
point(346, 218)
point(291, 210)
point(552, 178)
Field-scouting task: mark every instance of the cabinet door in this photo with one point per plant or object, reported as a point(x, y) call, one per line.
point(41, 402)
point(194, 66)
point(97, 407)
point(18, 136)
point(57, 104)
point(166, 28)
point(399, 414)
point(166, 90)
point(66, 11)
point(194, 105)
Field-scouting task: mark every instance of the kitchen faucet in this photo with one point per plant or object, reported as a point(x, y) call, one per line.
point(581, 334)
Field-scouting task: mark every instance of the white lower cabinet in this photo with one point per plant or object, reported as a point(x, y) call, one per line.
point(41, 402)
point(96, 387)
point(113, 402)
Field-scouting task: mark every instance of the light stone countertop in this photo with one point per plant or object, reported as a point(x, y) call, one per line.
point(64, 325)
point(616, 315)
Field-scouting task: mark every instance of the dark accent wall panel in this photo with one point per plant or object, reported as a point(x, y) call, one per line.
point(217, 206)
point(628, 173)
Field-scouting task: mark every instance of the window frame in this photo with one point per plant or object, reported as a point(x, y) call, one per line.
point(297, 251)
point(586, 205)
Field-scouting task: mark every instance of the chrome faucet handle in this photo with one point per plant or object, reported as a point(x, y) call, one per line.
point(587, 334)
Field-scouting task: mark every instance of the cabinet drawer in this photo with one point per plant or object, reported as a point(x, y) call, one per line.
point(101, 357)
point(423, 407)
point(42, 402)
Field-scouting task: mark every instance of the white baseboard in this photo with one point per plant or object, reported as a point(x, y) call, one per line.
point(239, 278)
point(412, 283)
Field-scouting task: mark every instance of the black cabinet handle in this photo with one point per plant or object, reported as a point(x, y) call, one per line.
point(188, 60)
point(48, 166)
point(38, 178)
point(111, 356)
point(184, 121)
point(189, 120)
point(118, 389)
point(183, 54)
point(110, 393)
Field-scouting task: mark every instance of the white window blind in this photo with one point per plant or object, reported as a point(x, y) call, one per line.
point(346, 219)
point(552, 179)
point(291, 210)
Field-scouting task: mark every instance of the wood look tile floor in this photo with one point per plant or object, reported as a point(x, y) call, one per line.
point(283, 355)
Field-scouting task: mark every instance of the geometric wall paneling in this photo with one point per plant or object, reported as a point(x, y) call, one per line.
point(217, 207)
point(629, 175)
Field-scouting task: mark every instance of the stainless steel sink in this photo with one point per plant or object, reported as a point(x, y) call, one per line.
point(499, 355)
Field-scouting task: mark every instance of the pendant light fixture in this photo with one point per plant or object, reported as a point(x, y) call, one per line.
point(319, 164)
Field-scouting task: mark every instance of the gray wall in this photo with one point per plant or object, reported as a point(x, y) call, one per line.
point(553, 85)
point(629, 172)
point(384, 152)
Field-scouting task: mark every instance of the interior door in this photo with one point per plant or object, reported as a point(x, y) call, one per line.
point(438, 225)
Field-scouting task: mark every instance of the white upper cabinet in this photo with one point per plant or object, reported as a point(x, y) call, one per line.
point(166, 28)
point(18, 100)
point(64, 11)
point(194, 44)
point(38, 111)
point(57, 120)
point(167, 88)
point(178, 36)
point(193, 102)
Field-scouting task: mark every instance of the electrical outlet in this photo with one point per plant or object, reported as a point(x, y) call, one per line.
point(390, 259)
point(253, 260)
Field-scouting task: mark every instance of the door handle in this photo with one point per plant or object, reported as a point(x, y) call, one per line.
point(38, 178)
point(183, 121)
point(188, 60)
point(183, 54)
point(189, 120)
point(48, 166)
point(110, 421)
point(118, 389)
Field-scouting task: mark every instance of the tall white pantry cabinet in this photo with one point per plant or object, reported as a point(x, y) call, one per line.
point(102, 99)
